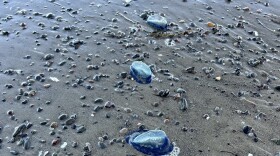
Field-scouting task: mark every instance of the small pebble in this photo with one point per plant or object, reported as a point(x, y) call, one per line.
point(62, 116)
point(123, 131)
point(98, 100)
point(81, 129)
point(55, 141)
point(54, 125)
point(39, 109)
point(149, 113)
point(101, 145)
point(70, 121)
point(210, 24)
point(74, 144)
point(127, 110)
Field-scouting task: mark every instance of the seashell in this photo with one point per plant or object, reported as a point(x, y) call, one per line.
point(150, 142)
point(158, 22)
point(210, 24)
point(141, 72)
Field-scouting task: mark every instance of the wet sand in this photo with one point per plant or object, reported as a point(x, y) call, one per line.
point(56, 51)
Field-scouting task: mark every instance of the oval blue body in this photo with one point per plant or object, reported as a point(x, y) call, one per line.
point(157, 22)
point(141, 72)
point(152, 142)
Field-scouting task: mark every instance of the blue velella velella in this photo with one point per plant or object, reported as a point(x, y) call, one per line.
point(157, 22)
point(150, 142)
point(141, 72)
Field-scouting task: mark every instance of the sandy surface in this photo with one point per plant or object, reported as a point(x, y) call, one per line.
point(221, 89)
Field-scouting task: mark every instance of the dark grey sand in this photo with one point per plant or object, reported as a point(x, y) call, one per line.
point(238, 90)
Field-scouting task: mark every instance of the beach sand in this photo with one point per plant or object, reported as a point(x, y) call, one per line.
point(53, 55)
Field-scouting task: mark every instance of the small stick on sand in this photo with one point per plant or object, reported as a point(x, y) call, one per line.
point(38, 52)
point(70, 15)
point(73, 17)
point(229, 152)
point(265, 26)
point(264, 151)
point(133, 22)
point(57, 3)
point(126, 18)
point(248, 101)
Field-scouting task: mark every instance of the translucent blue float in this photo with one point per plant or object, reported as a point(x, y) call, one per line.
point(141, 72)
point(157, 22)
point(150, 142)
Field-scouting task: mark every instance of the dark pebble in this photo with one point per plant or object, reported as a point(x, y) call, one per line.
point(108, 115)
point(19, 129)
point(64, 127)
point(73, 116)
point(155, 104)
point(86, 154)
point(74, 126)
point(184, 129)
point(26, 143)
point(277, 88)
point(160, 114)
point(81, 129)
point(74, 144)
point(12, 117)
point(97, 108)
point(39, 109)
point(163, 93)
point(98, 100)
point(256, 139)
point(142, 127)
point(62, 116)
point(149, 113)
point(109, 104)
point(105, 137)
point(10, 112)
point(83, 97)
point(177, 123)
point(37, 77)
point(96, 77)
point(43, 123)
point(87, 148)
point(27, 57)
point(33, 131)
point(74, 85)
point(24, 101)
point(29, 125)
point(48, 56)
point(123, 75)
point(62, 63)
point(69, 121)
point(183, 104)
point(13, 152)
point(89, 87)
point(101, 145)
point(247, 129)
point(9, 86)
